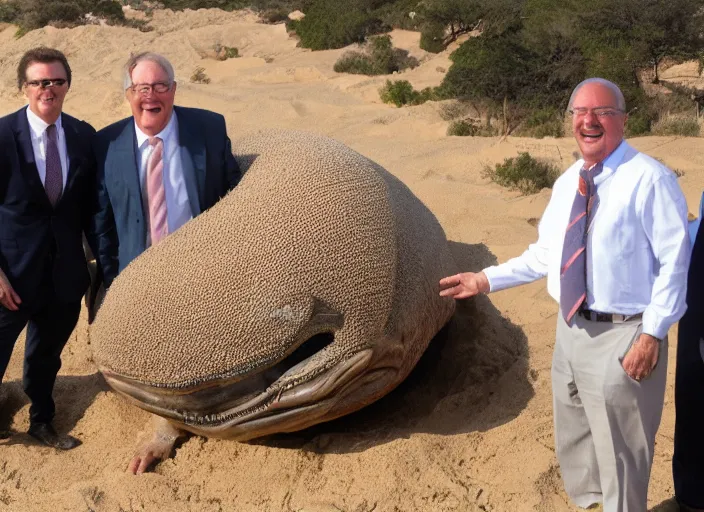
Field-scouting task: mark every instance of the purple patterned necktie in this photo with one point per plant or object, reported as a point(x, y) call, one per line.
point(53, 181)
point(573, 270)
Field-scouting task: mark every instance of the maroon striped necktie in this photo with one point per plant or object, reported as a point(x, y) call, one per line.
point(573, 270)
point(53, 180)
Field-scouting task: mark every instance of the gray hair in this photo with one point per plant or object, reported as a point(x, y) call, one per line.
point(132, 62)
point(618, 95)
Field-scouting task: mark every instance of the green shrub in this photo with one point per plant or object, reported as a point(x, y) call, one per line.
point(231, 52)
point(225, 52)
point(466, 128)
point(199, 76)
point(541, 123)
point(9, 12)
point(432, 37)
point(638, 124)
point(328, 25)
point(275, 15)
point(524, 173)
point(401, 93)
point(676, 125)
point(461, 128)
point(380, 58)
point(34, 14)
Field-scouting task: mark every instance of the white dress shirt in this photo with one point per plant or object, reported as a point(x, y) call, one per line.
point(637, 250)
point(38, 127)
point(178, 208)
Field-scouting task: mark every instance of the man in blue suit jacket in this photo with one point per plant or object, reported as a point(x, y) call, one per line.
point(688, 459)
point(188, 148)
point(46, 180)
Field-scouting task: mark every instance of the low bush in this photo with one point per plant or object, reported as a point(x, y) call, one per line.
point(401, 93)
point(542, 123)
point(272, 16)
point(225, 52)
point(199, 76)
point(327, 26)
point(676, 125)
point(34, 14)
point(524, 173)
point(378, 58)
point(638, 124)
point(465, 128)
point(432, 37)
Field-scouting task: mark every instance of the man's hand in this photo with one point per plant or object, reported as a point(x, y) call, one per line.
point(156, 444)
point(8, 296)
point(462, 286)
point(642, 357)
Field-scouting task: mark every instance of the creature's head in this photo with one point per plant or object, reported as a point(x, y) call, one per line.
point(269, 312)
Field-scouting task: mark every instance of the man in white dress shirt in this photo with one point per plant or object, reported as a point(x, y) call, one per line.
point(47, 176)
point(613, 243)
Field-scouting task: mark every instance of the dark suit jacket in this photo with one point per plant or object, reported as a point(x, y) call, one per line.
point(39, 242)
point(695, 281)
point(120, 227)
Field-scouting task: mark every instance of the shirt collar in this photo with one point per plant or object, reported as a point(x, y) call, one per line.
point(38, 126)
point(610, 163)
point(163, 134)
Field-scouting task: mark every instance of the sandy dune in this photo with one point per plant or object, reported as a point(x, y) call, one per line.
point(470, 430)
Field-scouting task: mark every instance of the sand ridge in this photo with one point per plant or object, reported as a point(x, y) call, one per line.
point(470, 429)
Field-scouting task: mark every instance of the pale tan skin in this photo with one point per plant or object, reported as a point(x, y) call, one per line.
point(156, 444)
point(8, 296)
point(151, 111)
point(45, 103)
point(597, 139)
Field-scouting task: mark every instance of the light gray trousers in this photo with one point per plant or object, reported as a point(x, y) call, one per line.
point(605, 422)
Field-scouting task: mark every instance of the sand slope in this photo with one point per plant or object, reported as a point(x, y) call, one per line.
point(470, 430)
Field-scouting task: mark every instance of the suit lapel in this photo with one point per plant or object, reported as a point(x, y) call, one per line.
point(75, 158)
point(123, 165)
point(28, 165)
point(192, 148)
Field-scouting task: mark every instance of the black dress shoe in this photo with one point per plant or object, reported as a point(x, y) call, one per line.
point(45, 433)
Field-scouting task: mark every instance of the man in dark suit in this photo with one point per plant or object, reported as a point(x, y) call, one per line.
point(688, 459)
point(157, 169)
point(45, 189)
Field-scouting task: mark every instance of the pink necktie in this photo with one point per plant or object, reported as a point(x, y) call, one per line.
point(156, 196)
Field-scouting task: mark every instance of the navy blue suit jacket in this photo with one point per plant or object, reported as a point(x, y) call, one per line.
point(41, 245)
point(120, 227)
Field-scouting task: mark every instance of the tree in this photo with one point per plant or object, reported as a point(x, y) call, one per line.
point(651, 29)
point(497, 68)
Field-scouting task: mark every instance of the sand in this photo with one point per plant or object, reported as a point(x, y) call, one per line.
point(469, 430)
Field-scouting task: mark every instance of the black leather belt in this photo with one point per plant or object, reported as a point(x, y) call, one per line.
point(614, 318)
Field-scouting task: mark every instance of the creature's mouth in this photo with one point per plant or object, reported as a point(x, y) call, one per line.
point(255, 401)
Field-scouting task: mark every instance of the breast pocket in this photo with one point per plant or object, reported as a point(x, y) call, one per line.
point(626, 236)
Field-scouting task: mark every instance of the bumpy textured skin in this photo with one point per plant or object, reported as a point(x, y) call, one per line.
point(312, 225)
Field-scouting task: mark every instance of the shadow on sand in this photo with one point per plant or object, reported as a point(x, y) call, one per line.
point(73, 394)
point(453, 387)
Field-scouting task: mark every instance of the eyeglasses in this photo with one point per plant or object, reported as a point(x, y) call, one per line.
point(600, 112)
point(47, 82)
point(144, 89)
